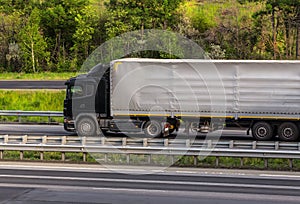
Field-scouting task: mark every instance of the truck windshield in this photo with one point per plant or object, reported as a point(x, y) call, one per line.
point(74, 91)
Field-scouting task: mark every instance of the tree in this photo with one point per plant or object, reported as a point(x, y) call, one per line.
point(284, 16)
point(9, 27)
point(33, 44)
point(58, 21)
point(129, 15)
point(87, 26)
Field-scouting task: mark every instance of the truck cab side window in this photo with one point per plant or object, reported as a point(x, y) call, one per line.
point(89, 90)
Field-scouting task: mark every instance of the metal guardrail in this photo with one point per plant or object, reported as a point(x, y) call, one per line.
point(21, 114)
point(150, 147)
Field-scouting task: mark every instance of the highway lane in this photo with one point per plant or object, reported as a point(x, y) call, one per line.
point(55, 130)
point(52, 183)
point(58, 130)
point(32, 84)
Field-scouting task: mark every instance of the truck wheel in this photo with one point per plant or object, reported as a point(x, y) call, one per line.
point(86, 127)
point(288, 132)
point(262, 131)
point(152, 129)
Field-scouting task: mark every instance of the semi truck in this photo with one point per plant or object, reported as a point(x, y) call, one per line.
point(156, 96)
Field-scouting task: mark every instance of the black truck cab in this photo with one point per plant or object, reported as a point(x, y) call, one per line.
point(87, 94)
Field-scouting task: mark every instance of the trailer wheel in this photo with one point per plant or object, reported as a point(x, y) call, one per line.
point(262, 131)
point(152, 129)
point(86, 126)
point(288, 132)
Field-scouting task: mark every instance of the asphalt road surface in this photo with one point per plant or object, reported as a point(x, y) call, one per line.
point(55, 130)
point(58, 130)
point(59, 183)
point(26, 84)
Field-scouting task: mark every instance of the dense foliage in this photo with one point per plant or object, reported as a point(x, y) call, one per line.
point(58, 35)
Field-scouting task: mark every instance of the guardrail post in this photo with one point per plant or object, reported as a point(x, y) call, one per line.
point(19, 119)
point(195, 160)
point(24, 139)
point(41, 156)
point(231, 144)
point(21, 155)
point(242, 161)
point(149, 159)
point(276, 145)
point(1, 154)
point(63, 156)
point(188, 143)
point(44, 139)
point(5, 139)
point(64, 140)
point(105, 157)
point(49, 119)
point(209, 144)
point(84, 156)
point(254, 144)
point(266, 163)
point(83, 141)
point(145, 142)
point(103, 140)
point(217, 161)
point(172, 159)
point(166, 142)
point(128, 158)
point(124, 141)
point(291, 163)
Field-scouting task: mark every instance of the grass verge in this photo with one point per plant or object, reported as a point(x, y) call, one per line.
point(159, 160)
point(42, 100)
point(37, 76)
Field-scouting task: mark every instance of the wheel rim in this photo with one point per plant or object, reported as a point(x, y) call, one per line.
point(287, 132)
point(262, 132)
point(152, 129)
point(86, 127)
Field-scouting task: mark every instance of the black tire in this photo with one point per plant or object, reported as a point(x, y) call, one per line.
point(262, 131)
point(288, 132)
point(152, 129)
point(86, 126)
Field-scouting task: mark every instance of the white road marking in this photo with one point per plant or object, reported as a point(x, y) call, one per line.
point(152, 182)
point(284, 176)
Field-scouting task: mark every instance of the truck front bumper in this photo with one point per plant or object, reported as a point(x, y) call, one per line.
point(69, 125)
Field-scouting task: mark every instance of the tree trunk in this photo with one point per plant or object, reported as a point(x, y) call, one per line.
point(33, 57)
point(287, 37)
point(298, 32)
point(298, 41)
point(274, 32)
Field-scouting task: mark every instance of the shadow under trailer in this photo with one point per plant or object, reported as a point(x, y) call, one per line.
point(156, 96)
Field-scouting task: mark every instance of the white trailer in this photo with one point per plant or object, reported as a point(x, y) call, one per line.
point(261, 95)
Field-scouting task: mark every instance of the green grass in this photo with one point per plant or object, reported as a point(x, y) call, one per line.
point(31, 101)
point(37, 76)
point(158, 160)
point(208, 14)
